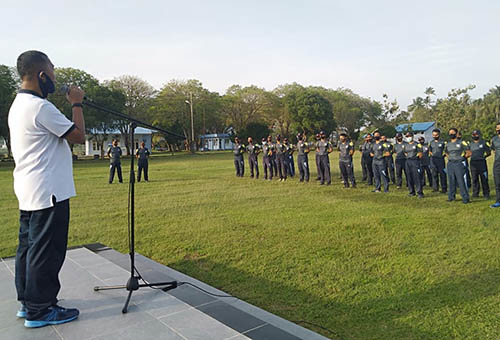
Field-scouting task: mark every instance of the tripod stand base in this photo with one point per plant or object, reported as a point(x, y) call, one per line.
point(133, 284)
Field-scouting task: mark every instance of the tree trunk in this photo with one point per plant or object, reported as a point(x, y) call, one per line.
point(101, 145)
point(9, 150)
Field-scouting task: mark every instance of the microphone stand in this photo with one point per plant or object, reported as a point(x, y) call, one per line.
point(133, 281)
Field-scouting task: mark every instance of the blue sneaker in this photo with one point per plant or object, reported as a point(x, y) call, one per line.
point(496, 205)
point(21, 313)
point(55, 315)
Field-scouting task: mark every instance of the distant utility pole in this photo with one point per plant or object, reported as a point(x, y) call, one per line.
point(190, 102)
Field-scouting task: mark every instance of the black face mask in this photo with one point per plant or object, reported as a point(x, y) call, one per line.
point(475, 137)
point(436, 138)
point(47, 86)
point(453, 135)
point(498, 132)
point(377, 137)
point(400, 139)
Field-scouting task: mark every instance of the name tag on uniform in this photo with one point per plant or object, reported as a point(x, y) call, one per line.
point(414, 147)
point(481, 146)
point(458, 145)
point(440, 145)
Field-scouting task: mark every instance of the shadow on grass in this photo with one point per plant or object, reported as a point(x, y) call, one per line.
point(373, 318)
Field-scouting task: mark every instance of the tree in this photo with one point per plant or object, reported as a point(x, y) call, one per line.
point(8, 88)
point(255, 130)
point(309, 111)
point(456, 110)
point(71, 76)
point(243, 105)
point(97, 124)
point(100, 125)
point(171, 111)
point(139, 96)
point(277, 112)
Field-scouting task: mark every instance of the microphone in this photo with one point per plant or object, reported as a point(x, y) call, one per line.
point(64, 89)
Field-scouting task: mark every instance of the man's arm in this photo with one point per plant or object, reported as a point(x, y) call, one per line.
point(75, 96)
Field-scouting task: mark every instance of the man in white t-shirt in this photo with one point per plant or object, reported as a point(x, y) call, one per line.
point(43, 183)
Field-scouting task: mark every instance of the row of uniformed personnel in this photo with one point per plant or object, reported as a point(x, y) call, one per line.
point(416, 159)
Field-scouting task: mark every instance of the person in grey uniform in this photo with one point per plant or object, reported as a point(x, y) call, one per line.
point(253, 152)
point(425, 163)
point(366, 159)
point(114, 154)
point(480, 150)
point(413, 153)
point(495, 146)
point(316, 158)
point(273, 157)
point(239, 162)
point(267, 152)
point(389, 160)
point(457, 151)
point(437, 165)
point(302, 158)
point(289, 155)
point(281, 159)
point(346, 149)
point(323, 148)
point(142, 155)
point(468, 179)
point(400, 161)
point(378, 151)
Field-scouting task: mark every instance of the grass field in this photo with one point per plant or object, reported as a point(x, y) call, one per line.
point(365, 265)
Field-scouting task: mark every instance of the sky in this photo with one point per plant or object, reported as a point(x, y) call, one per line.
point(371, 47)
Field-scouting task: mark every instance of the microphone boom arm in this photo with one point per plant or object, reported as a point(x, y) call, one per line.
point(130, 119)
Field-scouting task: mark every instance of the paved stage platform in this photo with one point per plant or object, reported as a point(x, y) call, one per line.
point(184, 313)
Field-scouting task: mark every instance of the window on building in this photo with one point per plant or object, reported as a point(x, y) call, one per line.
point(96, 146)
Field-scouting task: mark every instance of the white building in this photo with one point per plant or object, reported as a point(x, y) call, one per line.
point(140, 135)
point(418, 129)
point(216, 141)
point(3, 146)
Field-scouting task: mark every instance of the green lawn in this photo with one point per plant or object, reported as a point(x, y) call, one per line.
point(365, 265)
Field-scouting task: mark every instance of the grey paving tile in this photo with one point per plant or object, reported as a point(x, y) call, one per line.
point(84, 288)
point(78, 252)
point(99, 316)
point(151, 330)
point(230, 316)
point(10, 261)
point(275, 320)
point(238, 337)
point(85, 258)
point(159, 304)
point(107, 270)
point(195, 325)
point(19, 332)
point(96, 247)
point(269, 332)
point(8, 311)
point(122, 260)
point(191, 296)
point(7, 285)
point(146, 262)
point(153, 276)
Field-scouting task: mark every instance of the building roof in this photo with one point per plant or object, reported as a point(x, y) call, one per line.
point(415, 127)
point(138, 131)
point(215, 135)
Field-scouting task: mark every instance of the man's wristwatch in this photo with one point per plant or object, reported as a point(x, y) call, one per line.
point(77, 105)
